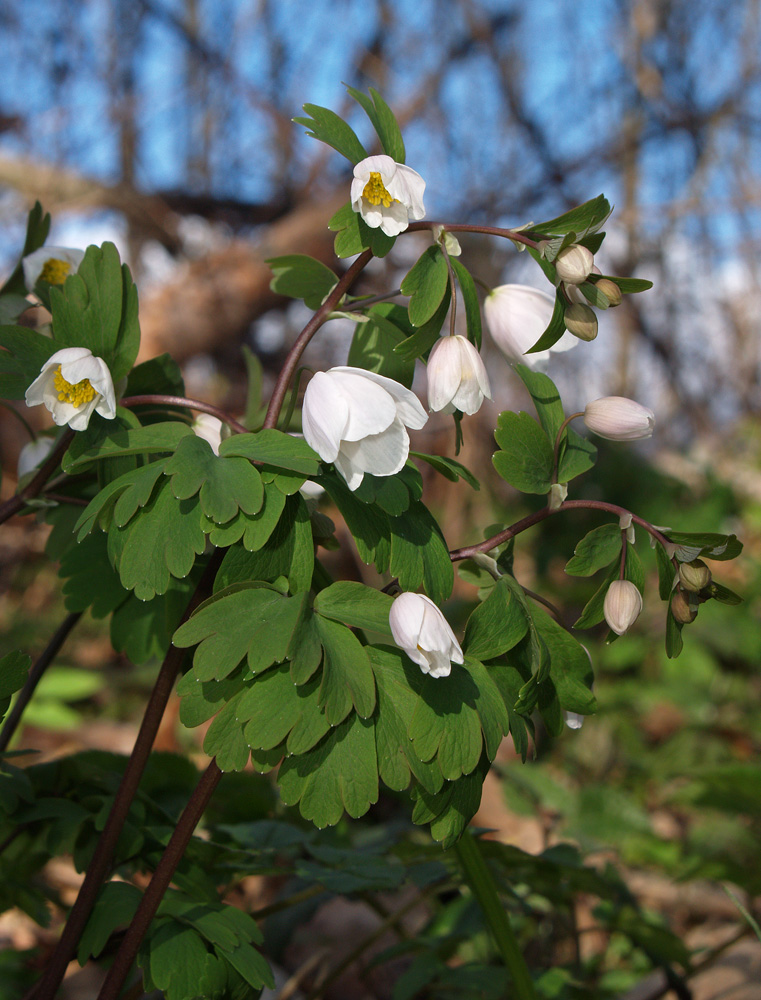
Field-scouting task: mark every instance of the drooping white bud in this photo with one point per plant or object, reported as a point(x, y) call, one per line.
point(457, 378)
point(422, 631)
point(619, 419)
point(622, 605)
point(574, 264)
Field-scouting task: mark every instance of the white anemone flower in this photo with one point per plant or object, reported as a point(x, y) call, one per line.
point(50, 264)
point(211, 429)
point(388, 195)
point(73, 384)
point(422, 631)
point(457, 378)
point(357, 420)
point(516, 317)
point(33, 454)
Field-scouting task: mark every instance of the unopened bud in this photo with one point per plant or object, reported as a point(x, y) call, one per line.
point(574, 263)
point(682, 608)
point(581, 321)
point(694, 576)
point(610, 290)
point(622, 605)
point(619, 419)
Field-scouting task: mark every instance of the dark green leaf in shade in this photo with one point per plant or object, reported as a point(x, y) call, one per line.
point(596, 549)
point(37, 229)
point(350, 870)
point(571, 668)
point(252, 530)
point(383, 121)
point(470, 298)
point(445, 724)
point(374, 340)
point(583, 219)
point(117, 441)
point(250, 965)
point(490, 706)
point(450, 810)
point(420, 343)
point(526, 456)
point(160, 375)
point(388, 492)
point(275, 710)
point(14, 668)
point(548, 705)
point(367, 524)
point(340, 773)
point(354, 235)
point(201, 700)
point(224, 738)
point(288, 552)
point(449, 468)
point(175, 957)
point(26, 351)
point(11, 307)
point(90, 579)
point(305, 652)
point(97, 308)
point(692, 544)
point(674, 641)
point(355, 604)
point(299, 276)
point(325, 125)
point(419, 553)
point(496, 624)
point(115, 907)
point(666, 572)
point(231, 626)
point(347, 677)
point(593, 611)
point(287, 482)
point(225, 485)
point(273, 448)
point(556, 327)
point(593, 242)
point(509, 681)
point(426, 283)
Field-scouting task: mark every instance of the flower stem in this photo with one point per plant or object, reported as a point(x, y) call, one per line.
point(192, 404)
point(477, 875)
point(458, 227)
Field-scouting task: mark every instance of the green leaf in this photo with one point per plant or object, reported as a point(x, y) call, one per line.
point(445, 724)
point(11, 307)
point(176, 960)
point(347, 677)
point(26, 351)
point(367, 524)
point(450, 810)
point(120, 499)
point(723, 594)
point(225, 485)
point(571, 668)
point(301, 277)
point(97, 308)
point(354, 235)
point(115, 907)
point(593, 611)
point(325, 125)
point(119, 441)
point(159, 375)
point(355, 604)
point(496, 625)
point(630, 285)
point(14, 668)
point(470, 298)
point(704, 543)
point(526, 457)
point(583, 219)
point(91, 580)
point(224, 738)
point(383, 121)
point(420, 343)
point(449, 468)
point(37, 229)
point(426, 284)
point(275, 710)
point(340, 773)
point(388, 492)
point(252, 530)
point(373, 343)
point(596, 549)
point(250, 965)
point(556, 327)
point(419, 553)
point(201, 700)
point(273, 448)
point(674, 641)
point(490, 706)
point(666, 572)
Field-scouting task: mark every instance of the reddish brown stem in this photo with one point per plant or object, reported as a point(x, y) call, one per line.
point(191, 404)
point(15, 503)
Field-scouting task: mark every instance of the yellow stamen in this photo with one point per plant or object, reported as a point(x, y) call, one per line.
point(78, 394)
point(55, 271)
point(375, 191)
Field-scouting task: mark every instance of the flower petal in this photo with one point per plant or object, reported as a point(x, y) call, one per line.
point(381, 454)
point(409, 407)
point(324, 416)
point(371, 407)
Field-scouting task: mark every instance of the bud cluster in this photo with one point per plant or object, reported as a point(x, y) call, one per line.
point(692, 589)
point(574, 265)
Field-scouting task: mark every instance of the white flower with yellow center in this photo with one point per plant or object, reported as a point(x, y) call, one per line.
point(73, 384)
point(50, 264)
point(388, 195)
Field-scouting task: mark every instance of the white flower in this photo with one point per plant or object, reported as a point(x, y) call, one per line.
point(388, 195)
point(32, 454)
point(50, 264)
point(211, 429)
point(422, 631)
point(619, 419)
point(573, 720)
point(457, 378)
point(356, 419)
point(72, 384)
point(516, 317)
point(622, 605)
point(574, 264)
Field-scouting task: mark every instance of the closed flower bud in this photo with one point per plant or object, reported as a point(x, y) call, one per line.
point(457, 378)
point(388, 195)
point(610, 290)
point(622, 605)
point(619, 419)
point(581, 321)
point(683, 609)
point(422, 631)
point(574, 264)
point(694, 576)
point(516, 317)
point(357, 420)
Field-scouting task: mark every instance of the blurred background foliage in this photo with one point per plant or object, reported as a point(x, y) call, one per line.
point(165, 125)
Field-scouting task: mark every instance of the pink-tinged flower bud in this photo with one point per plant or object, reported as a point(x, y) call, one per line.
point(422, 631)
point(684, 608)
point(581, 321)
point(694, 576)
point(611, 291)
point(457, 378)
point(574, 264)
point(622, 605)
point(619, 419)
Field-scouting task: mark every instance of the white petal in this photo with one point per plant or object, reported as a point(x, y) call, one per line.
point(516, 317)
point(381, 454)
point(381, 164)
point(34, 263)
point(349, 471)
point(371, 409)
point(38, 390)
point(444, 373)
point(408, 187)
point(439, 664)
point(323, 416)
point(406, 618)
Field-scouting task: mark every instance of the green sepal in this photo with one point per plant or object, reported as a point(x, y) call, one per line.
point(372, 346)
point(383, 121)
point(426, 283)
point(470, 298)
point(37, 229)
point(328, 127)
point(629, 286)
point(704, 543)
point(299, 276)
point(26, 351)
point(596, 549)
point(526, 456)
point(723, 594)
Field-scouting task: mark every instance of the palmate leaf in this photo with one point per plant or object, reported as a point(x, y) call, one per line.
point(497, 623)
point(570, 666)
point(419, 553)
point(445, 724)
point(251, 530)
point(450, 810)
point(25, 352)
point(277, 711)
point(91, 580)
point(347, 677)
point(355, 604)
point(299, 276)
point(142, 630)
point(113, 440)
point(525, 458)
point(224, 484)
point(157, 375)
point(115, 907)
point(596, 549)
point(120, 499)
point(325, 125)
